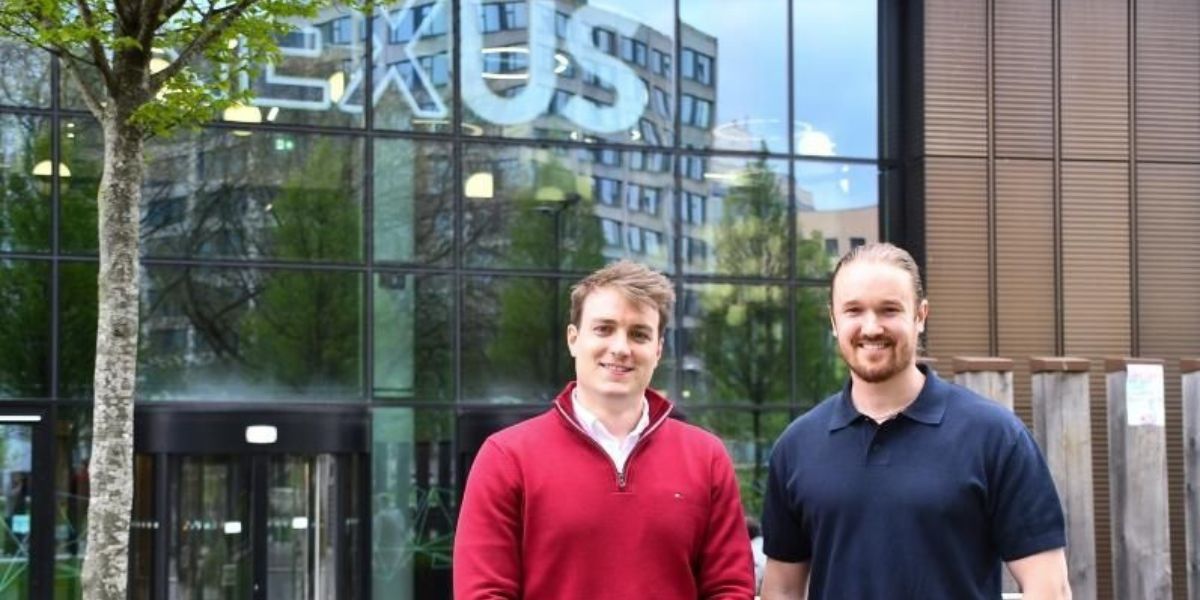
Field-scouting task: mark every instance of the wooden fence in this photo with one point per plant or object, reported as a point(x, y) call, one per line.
point(1137, 458)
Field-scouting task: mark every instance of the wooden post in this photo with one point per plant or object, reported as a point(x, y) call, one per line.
point(1137, 472)
point(1190, 369)
point(991, 378)
point(1062, 427)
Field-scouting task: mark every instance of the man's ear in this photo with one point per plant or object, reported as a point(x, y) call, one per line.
point(922, 315)
point(572, 335)
point(832, 323)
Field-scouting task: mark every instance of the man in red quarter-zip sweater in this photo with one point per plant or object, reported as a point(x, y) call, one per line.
point(603, 496)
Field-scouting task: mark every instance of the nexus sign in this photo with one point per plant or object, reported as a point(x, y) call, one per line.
point(414, 73)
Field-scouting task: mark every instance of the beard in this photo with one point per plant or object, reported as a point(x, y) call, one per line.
point(899, 358)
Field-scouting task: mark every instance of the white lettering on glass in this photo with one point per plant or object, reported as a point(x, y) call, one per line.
point(524, 106)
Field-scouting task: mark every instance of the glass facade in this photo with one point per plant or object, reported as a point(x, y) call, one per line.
point(394, 224)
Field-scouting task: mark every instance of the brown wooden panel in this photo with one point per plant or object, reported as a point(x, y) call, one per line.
point(955, 78)
point(1024, 84)
point(1168, 80)
point(1024, 269)
point(1094, 79)
point(1169, 324)
point(1095, 207)
point(956, 256)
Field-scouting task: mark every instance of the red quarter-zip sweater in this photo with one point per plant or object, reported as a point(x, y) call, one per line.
point(547, 516)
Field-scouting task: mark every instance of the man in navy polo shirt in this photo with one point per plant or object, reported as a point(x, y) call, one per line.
point(904, 485)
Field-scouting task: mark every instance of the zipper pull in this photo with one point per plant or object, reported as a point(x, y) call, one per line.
point(621, 480)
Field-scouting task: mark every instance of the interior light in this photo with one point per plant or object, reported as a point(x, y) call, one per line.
point(337, 86)
point(261, 434)
point(271, 114)
point(44, 169)
point(480, 185)
point(299, 522)
point(242, 113)
point(233, 527)
point(158, 64)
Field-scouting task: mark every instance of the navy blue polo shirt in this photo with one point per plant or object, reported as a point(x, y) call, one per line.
point(926, 505)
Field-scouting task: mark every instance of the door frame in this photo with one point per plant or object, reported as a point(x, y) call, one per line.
point(41, 533)
point(166, 431)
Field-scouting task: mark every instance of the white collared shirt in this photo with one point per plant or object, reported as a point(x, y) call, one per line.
point(617, 450)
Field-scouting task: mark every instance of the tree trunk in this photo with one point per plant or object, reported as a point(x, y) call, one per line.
point(105, 569)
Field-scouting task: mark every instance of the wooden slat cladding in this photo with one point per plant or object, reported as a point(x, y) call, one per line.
point(1024, 78)
point(1095, 205)
point(956, 118)
point(1095, 247)
point(1024, 269)
point(1094, 79)
point(1168, 80)
point(956, 256)
point(1169, 324)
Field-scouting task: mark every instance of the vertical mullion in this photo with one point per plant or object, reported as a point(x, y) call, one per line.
point(368, 199)
point(676, 156)
point(55, 192)
point(791, 294)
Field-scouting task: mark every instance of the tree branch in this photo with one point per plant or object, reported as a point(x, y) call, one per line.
point(201, 41)
point(152, 19)
point(98, 57)
point(27, 40)
point(90, 98)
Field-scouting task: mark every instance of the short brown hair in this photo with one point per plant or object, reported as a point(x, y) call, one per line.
point(885, 253)
point(638, 283)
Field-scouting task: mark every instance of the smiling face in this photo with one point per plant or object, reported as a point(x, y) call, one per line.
point(616, 346)
point(877, 319)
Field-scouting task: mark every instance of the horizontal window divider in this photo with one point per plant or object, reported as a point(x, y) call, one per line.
point(34, 256)
point(27, 111)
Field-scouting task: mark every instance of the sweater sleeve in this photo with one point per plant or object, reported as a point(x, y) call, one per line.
point(726, 563)
point(487, 544)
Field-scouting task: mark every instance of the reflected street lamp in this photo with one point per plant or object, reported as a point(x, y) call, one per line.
point(554, 202)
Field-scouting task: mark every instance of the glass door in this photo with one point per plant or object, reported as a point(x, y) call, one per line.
point(263, 527)
point(23, 508)
point(210, 545)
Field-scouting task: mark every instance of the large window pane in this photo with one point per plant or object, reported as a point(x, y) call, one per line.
point(25, 78)
point(229, 194)
point(569, 71)
point(413, 337)
point(250, 334)
point(733, 89)
point(837, 207)
point(748, 436)
point(414, 487)
point(734, 343)
point(25, 177)
point(836, 77)
point(319, 77)
point(77, 329)
point(25, 329)
point(412, 70)
point(573, 209)
point(819, 368)
point(414, 202)
point(514, 339)
point(735, 215)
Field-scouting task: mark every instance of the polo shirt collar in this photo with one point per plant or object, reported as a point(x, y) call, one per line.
point(928, 408)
